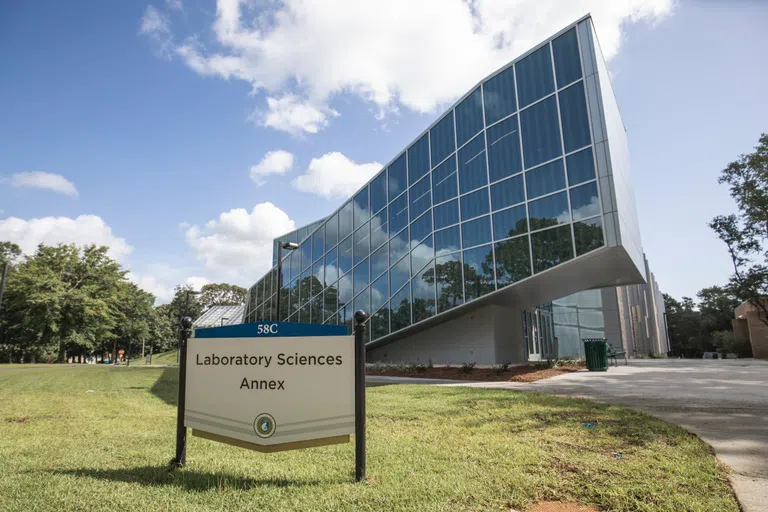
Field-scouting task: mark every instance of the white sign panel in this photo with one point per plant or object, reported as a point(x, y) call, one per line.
point(271, 390)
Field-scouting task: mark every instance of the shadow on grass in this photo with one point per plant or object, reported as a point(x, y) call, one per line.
point(196, 481)
point(166, 388)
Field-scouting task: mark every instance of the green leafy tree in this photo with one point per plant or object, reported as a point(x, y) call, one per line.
point(745, 233)
point(163, 333)
point(686, 334)
point(134, 315)
point(221, 294)
point(9, 253)
point(179, 301)
point(716, 305)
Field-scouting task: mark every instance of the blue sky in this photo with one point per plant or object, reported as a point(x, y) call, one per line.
point(150, 120)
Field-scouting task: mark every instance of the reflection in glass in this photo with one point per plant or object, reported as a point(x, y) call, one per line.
point(379, 261)
point(447, 241)
point(573, 114)
point(401, 309)
point(379, 197)
point(397, 177)
point(444, 182)
point(317, 244)
point(541, 133)
point(318, 278)
point(380, 323)
point(588, 234)
point(584, 201)
point(398, 214)
point(362, 241)
point(513, 260)
point(469, 117)
point(361, 208)
point(362, 277)
point(379, 229)
point(331, 268)
point(421, 227)
point(545, 179)
point(345, 255)
point(331, 232)
point(567, 62)
point(362, 302)
point(424, 294)
point(421, 255)
point(420, 197)
point(499, 94)
point(549, 211)
point(449, 282)
point(399, 274)
point(478, 272)
point(345, 289)
point(474, 204)
point(418, 159)
point(476, 232)
point(508, 192)
point(399, 246)
point(581, 167)
point(504, 149)
point(472, 169)
point(551, 247)
point(306, 254)
point(442, 139)
point(345, 220)
point(446, 214)
point(330, 301)
point(380, 292)
point(534, 76)
point(510, 222)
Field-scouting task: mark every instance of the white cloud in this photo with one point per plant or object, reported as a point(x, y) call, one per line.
point(333, 175)
point(83, 230)
point(238, 245)
point(44, 180)
point(175, 4)
point(160, 280)
point(274, 162)
point(388, 52)
point(291, 114)
point(156, 27)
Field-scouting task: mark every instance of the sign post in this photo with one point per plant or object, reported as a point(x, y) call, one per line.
point(273, 386)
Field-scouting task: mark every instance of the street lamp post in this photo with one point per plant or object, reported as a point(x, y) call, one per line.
point(186, 315)
point(288, 246)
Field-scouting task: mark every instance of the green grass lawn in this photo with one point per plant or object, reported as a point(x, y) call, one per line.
point(160, 358)
point(429, 448)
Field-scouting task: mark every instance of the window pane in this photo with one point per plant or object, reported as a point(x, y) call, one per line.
point(589, 235)
point(541, 133)
point(398, 214)
point(401, 309)
point(478, 272)
point(584, 201)
point(442, 139)
point(295, 264)
point(549, 211)
point(418, 159)
point(447, 241)
point(499, 93)
point(444, 184)
point(345, 289)
point(379, 292)
point(424, 294)
point(450, 292)
point(508, 192)
point(292, 237)
point(317, 244)
point(362, 240)
point(446, 214)
point(362, 276)
point(380, 324)
point(399, 274)
point(399, 246)
point(345, 255)
point(306, 254)
point(573, 114)
point(513, 260)
point(304, 315)
point(476, 232)
point(397, 178)
point(581, 167)
point(421, 227)
point(361, 209)
point(379, 229)
point(504, 149)
point(316, 310)
point(551, 247)
point(318, 278)
point(472, 169)
point(474, 204)
point(421, 255)
point(345, 221)
point(469, 117)
point(545, 179)
point(510, 222)
point(379, 192)
point(331, 232)
point(362, 302)
point(420, 198)
point(331, 269)
point(380, 261)
point(534, 76)
point(567, 62)
point(330, 301)
point(305, 287)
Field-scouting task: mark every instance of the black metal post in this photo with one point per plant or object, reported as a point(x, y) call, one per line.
point(360, 318)
point(181, 431)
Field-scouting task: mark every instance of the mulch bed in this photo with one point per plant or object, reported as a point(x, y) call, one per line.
point(526, 373)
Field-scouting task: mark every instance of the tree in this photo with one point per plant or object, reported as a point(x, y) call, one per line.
point(134, 315)
point(221, 294)
point(745, 233)
point(716, 306)
point(178, 304)
point(9, 253)
point(685, 327)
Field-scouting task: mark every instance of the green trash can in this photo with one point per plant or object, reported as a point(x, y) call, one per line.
point(596, 353)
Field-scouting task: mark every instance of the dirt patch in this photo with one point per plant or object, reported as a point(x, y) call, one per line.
point(561, 506)
point(17, 419)
point(526, 373)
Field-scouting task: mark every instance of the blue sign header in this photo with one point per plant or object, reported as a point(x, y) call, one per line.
point(271, 330)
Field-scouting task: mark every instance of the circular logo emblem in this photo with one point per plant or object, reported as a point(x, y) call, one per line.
point(264, 425)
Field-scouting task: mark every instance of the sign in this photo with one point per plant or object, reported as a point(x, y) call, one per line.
point(272, 385)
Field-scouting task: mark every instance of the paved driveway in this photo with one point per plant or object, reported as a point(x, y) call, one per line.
point(725, 402)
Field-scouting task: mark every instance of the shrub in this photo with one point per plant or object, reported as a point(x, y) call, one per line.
point(500, 368)
point(467, 367)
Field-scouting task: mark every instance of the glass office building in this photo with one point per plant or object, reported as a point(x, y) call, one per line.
point(516, 196)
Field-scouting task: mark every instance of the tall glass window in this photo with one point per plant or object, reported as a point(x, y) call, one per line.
point(398, 181)
point(476, 232)
point(541, 133)
point(345, 221)
point(573, 113)
point(362, 302)
point(469, 117)
point(420, 197)
point(345, 255)
point(317, 244)
point(504, 149)
point(513, 260)
point(450, 282)
point(399, 274)
point(294, 262)
point(380, 323)
point(534, 76)
point(447, 241)
point(473, 172)
point(478, 272)
point(331, 269)
point(421, 227)
point(581, 167)
point(474, 204)
point(398, 214)
point(588, 234)
point(510, 222)
point(379, 292)
point(379, 192)
point(331, 301)
point(317, 278)
point(401, 309)
point(379, 229)
point(442, 139)
point(499, 94)
point(399, 246)
point(380, 261)
point(446, 214)
point(306, 254)
point(549, 211)
point(545, 179)
point(362, 210)
point(362, 276)
point(331, 232)
point(418, 159)
point(584, 201)
point(422, 254)
point(345, 289)
point(362, 241)
point(551, 247)
point(444, 183)
point(424, 293)
point(508, 192)
point(567, 62)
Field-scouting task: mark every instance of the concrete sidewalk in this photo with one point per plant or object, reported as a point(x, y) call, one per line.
point(725, 402)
